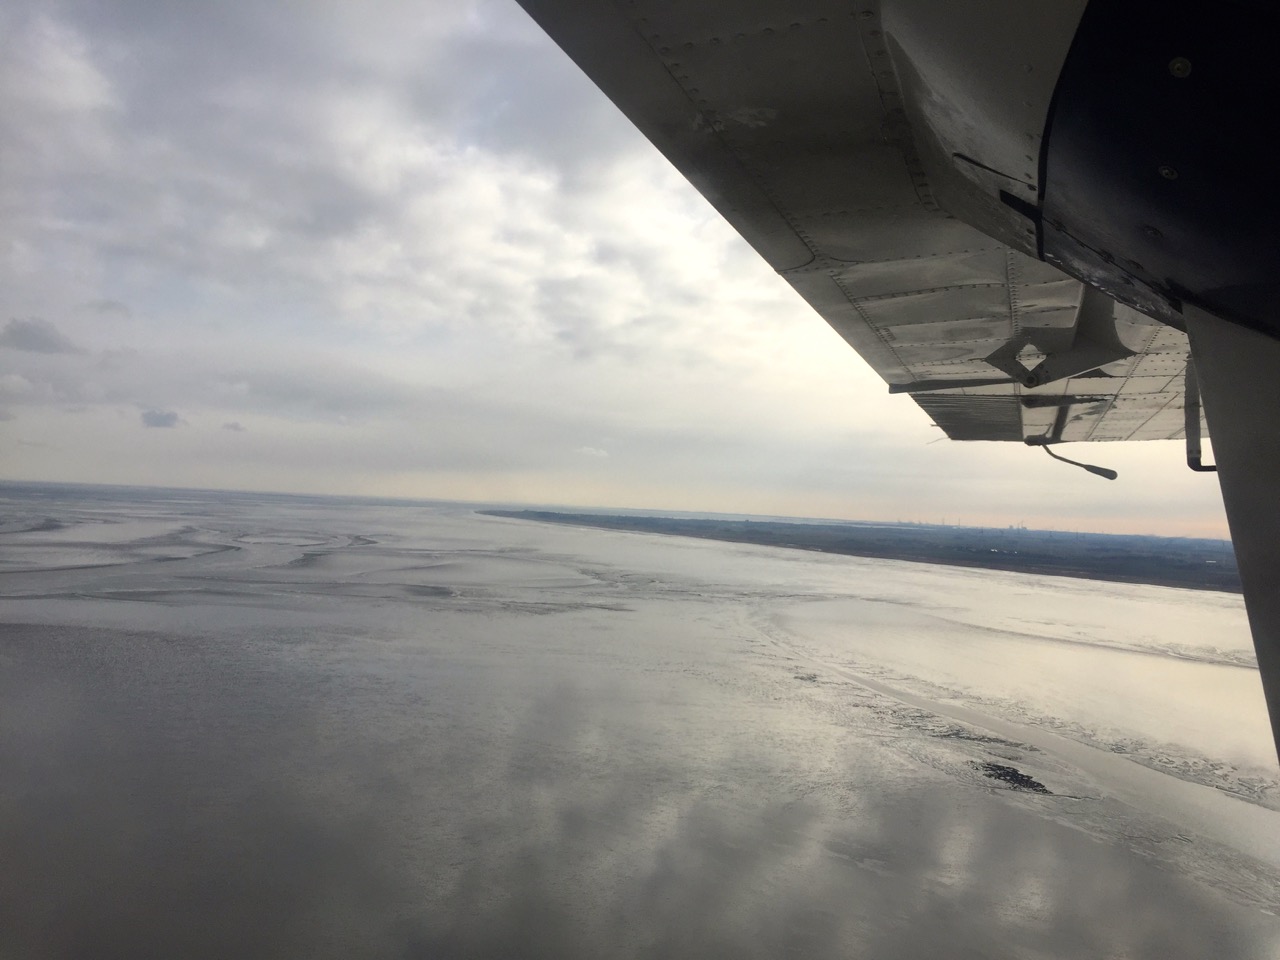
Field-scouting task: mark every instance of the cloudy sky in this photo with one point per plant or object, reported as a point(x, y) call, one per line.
point(406, 249)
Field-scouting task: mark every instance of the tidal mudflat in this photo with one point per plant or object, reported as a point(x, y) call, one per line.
point(263, 726)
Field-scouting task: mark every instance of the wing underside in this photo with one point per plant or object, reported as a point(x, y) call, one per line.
point(799, 130)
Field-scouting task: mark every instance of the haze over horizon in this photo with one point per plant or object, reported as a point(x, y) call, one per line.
point(408, 250)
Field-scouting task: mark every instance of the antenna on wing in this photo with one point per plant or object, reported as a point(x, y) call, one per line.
point(1100, 471)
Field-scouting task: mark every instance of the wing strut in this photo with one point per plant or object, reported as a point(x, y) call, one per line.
point(1236, 369)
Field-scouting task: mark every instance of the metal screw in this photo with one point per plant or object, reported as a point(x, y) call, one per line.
point(1180, 67)
point(1168, 172)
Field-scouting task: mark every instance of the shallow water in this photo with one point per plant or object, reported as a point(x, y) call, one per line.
point(266, 726)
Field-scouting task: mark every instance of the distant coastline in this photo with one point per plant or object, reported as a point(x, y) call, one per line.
point(1161, 561)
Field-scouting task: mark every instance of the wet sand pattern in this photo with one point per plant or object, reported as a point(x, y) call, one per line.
point(264, 726)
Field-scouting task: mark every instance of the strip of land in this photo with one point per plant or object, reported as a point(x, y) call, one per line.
point(1163, 561)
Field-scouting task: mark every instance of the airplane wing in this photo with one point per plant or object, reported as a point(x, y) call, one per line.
point(803, 128)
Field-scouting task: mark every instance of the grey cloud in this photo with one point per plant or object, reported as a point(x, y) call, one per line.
point(35, 335)
point(481, 70)
point(159, 418)
point(228, 162)
point(230, 167)
point(60, 380)
point(573, 307)
point(234, 426)
point(523, 96)
point(315, 390)
point(309, 388)
point(107, 307)
point(218, 160)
